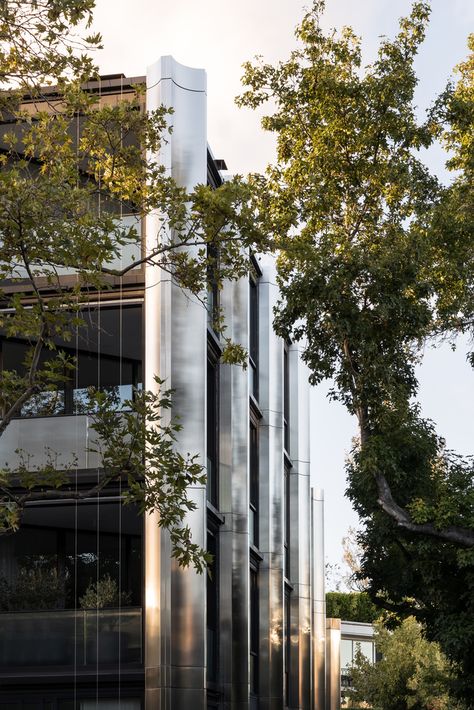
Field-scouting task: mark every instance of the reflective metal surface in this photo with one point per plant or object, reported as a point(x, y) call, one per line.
point(300, 533)
point(175, 345)
point(333, 666)
point(318, 600)
point(234, 505)
point(271, 496)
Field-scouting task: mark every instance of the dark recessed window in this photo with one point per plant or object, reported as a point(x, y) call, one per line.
point(254, 630)
point(286, 399)
point(71, 586)
point(286, 521)
point(253, 336)
point(212, 647)
point(287, 644)
point(254, 483)
point(212, 288)
point(212, 410)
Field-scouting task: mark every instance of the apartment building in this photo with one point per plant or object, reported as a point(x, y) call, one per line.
point(251, 634)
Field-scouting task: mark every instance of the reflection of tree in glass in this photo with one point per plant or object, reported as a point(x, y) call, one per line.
point(33, 589)
point(104, 594)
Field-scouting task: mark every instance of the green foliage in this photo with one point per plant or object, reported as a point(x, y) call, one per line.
point(375, 259)
point(412, 673)
point(103, 594)
point(39, 44)
point(70, 166)
point(33, 588)
point(351, 606)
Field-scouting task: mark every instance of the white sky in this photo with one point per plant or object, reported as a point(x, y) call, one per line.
point(219, 36)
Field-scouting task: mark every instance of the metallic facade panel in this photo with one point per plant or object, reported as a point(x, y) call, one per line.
point(318, 601)
point(333, 664)
point(271, 472)
point(176, 348)
point(299, 534)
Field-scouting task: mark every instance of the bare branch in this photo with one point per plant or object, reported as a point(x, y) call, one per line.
point(452, 533)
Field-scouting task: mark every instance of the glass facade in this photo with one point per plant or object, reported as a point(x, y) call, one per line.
point(60, 702)
point(350, 648)
point(254, 630)
point(71, 586)
point(287, 645)
point(104, 344)
point(253, 337)
point(254, 483)
point(286, 399)
point(212, 608)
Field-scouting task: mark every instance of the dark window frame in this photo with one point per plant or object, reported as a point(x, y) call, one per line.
point(212, 421)
point(254, 626)
point(287, 643)
point(254, 479)
point(213, 605)
point(287, 521)
point(254, 334)
point(286, 398)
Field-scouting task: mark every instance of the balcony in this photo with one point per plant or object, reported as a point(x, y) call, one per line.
point(127, 254)
point(67, 638)
point(68, 436)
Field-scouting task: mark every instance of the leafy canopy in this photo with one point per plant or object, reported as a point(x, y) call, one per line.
point(71, 164)
point(375, 259)
point(412, 673)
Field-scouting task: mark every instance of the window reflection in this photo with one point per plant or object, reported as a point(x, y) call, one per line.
point(63, 555)
point(107, 351)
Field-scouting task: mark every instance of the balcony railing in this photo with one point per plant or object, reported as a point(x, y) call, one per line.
point(83, 638)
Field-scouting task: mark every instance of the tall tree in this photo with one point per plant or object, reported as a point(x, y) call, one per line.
point(411, 674)
point(368, 273)
point(69, 166)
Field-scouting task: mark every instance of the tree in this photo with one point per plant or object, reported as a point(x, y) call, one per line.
point(351, 606)
point(412, 672)
point(368, 273)
point(69, 165)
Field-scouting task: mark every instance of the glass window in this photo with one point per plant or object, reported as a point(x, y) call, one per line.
point(61, 551)
point(346, 653)
point(254, 483)
point(212, 609)
point(212, 410)
point(107, 350)
point(287, 644)
point(254, 630)
point(366, 648)
point(212, 287)
point(286, 521)
point(286, 399)
point(109, 705)
point(71, 586)
point(253, 337)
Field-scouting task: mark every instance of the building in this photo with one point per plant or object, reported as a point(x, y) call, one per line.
point(344, 639)
point(252, 635)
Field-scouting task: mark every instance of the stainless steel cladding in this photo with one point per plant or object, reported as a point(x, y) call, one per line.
point(248, 639)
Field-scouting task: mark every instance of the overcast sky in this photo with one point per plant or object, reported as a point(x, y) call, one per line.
point(219, 36)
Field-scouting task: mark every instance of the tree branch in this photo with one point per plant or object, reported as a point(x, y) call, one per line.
point(452, 533)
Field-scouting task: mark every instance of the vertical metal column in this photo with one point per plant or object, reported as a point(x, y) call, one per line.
point(271, 496)
point(333, 664)
point(319, 600)
point(234, 505)
point(182, 346)
point(300, 533)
